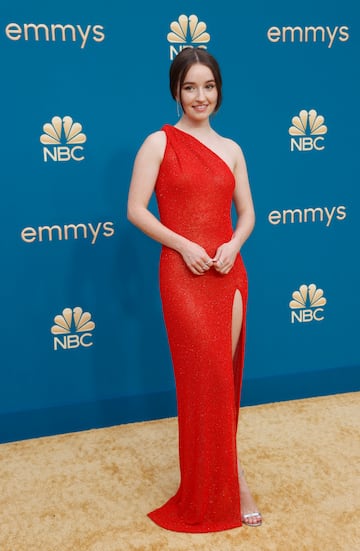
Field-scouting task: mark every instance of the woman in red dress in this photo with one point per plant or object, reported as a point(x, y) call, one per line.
point(197, 175)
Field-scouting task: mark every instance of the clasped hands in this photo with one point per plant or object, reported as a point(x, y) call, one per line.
point(199, 262)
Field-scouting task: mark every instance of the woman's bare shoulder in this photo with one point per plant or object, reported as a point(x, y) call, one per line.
point(154, 144)
point(233, 150)
point(232, 145)
point(155, 139)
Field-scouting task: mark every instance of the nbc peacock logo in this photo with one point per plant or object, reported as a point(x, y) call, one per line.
point(307, 131)
point(61, 140)
point(307, 304)
point(187, 32)
point(73, 328)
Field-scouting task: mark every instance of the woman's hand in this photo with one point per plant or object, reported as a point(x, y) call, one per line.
point(196, 258)
point(225, 257)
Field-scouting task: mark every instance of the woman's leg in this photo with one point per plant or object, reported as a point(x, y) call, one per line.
point(237, 318)
point(248, 505)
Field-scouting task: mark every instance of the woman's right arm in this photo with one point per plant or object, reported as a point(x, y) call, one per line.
point(145, 172)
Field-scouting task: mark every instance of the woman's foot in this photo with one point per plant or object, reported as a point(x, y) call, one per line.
point(249, 512)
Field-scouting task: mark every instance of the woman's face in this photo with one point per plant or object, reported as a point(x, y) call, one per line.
point(198, 94)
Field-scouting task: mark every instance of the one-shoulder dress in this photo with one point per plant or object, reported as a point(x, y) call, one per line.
point(194, 191)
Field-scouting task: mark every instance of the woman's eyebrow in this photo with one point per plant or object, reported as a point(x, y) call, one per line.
point(206, 82)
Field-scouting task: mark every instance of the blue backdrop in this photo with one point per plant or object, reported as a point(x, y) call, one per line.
point(82, 338)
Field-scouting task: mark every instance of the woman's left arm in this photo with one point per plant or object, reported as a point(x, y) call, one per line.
point(227, 252)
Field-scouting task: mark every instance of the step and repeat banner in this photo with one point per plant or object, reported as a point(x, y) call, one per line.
point(83, 83)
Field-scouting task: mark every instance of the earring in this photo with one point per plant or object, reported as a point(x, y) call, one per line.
point(178, 109)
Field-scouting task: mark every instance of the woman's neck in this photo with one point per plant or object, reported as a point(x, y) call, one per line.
point(194, 127)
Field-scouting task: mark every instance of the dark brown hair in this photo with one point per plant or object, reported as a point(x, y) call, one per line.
point(182, 63)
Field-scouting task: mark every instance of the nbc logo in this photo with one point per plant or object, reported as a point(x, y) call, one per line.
point(307, 129)
point(306, 304)
point(72, 329)
point(63, 136)
point(185, 32)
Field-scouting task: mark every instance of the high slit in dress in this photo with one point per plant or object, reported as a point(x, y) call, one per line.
point(194, 191)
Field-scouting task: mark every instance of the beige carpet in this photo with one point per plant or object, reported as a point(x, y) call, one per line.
point(90, 491)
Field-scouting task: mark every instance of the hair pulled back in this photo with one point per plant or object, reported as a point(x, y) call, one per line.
point(187, 58)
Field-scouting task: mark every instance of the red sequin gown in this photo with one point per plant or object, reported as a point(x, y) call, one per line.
point(194, 193)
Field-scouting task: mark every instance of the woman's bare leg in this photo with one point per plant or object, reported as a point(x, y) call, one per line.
point(248, 504)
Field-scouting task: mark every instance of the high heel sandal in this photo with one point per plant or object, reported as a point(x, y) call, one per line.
point(251, 515)
point(244, 518)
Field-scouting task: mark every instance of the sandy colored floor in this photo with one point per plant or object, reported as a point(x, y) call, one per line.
point(90, 491)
